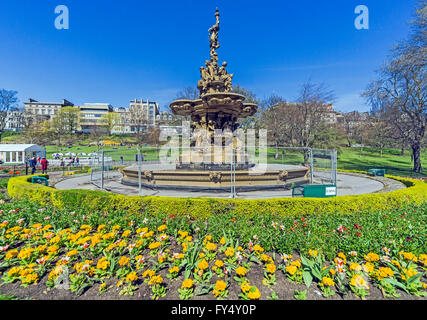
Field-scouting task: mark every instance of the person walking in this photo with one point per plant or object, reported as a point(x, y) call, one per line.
point(33, 164)
point(44, 164)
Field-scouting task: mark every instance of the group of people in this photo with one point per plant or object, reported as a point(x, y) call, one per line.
point(35, 162)
point(73, 162)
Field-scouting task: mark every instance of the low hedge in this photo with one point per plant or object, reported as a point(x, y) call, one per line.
point(20, 188)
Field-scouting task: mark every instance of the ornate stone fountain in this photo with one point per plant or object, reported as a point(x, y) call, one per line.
point(216, 148)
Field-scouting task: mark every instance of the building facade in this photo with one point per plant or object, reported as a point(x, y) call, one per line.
point(146, 111)
point(40, 111)
point(92, 116)
point(14, 121)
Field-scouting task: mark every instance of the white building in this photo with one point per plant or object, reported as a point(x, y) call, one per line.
point(14, 121)
point(18, 153)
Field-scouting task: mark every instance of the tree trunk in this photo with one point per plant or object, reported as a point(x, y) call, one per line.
point(416, 155)
point(277, 152)
point(402, 150)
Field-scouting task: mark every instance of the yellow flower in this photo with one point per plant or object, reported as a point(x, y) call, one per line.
point(291, 269)
point(14, 271)
point(372, 257)
point(131, 277)
point(241, 271)
point(154, 245)
point(148, 273)
point(162, 228)
point(86, 227)
point(11, 254)
point(409, 273)
point(155, 280)
point(384, 272)
point(229, 252)
point(203, 265)
point(123, 261)
point(271, 268)
point(410, 256)
point(174, 269)
point(30, 278)
point(52, 249)
point(328, 281)
point(187, 283)
point(254, 293)
point(210, 246)
point(219, 263)
point(102, 286)
point(296, 263)
point(358, 282)
point(103, 263)
point(25, 253)
point(222, 241)
point(265, 257)
point(183, 234)
point(245, 287)
point(312, 253)
point(184, 247)
point(220, 286)
point(72, 253)
point(257, 247)
point(368, 267)
point(341, 255)
point(126, 233)
point(355, 267)
point(332, 271)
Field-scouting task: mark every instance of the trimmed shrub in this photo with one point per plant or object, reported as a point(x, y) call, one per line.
point(20, 188)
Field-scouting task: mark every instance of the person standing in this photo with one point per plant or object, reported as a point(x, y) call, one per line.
point(33, 164)
point(44, 164)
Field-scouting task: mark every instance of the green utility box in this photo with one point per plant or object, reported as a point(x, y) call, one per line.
point(315, 191)
point(376, 172)
point(41, 180)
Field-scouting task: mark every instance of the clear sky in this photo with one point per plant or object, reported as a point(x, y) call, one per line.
point(115, 51)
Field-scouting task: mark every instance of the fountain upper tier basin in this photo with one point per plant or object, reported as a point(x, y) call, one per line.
point(225, 102)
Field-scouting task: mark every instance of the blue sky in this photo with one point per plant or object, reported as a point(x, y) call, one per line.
point(115, 51)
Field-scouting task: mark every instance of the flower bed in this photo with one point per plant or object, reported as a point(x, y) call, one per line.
point(100, 254)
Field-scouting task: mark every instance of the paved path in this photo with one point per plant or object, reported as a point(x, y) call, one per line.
point(347, 184)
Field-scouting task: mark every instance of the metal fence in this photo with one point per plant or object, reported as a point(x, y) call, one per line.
point(322, 164)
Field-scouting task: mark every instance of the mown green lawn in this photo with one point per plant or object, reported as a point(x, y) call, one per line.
point(395, 164)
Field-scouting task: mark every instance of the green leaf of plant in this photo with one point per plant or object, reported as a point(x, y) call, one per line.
point(397, 284)
point(307, 278)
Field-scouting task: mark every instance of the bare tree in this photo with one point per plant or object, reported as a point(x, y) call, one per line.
point(314, 103)
point(400, 91)
point(8, 101)
point(138, 119)
point(353, 126)
point(190, 93)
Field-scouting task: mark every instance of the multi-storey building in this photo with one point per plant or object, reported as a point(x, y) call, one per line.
point(41, 111)
point(14, 120)
point(145, 110)
point(92, 116)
